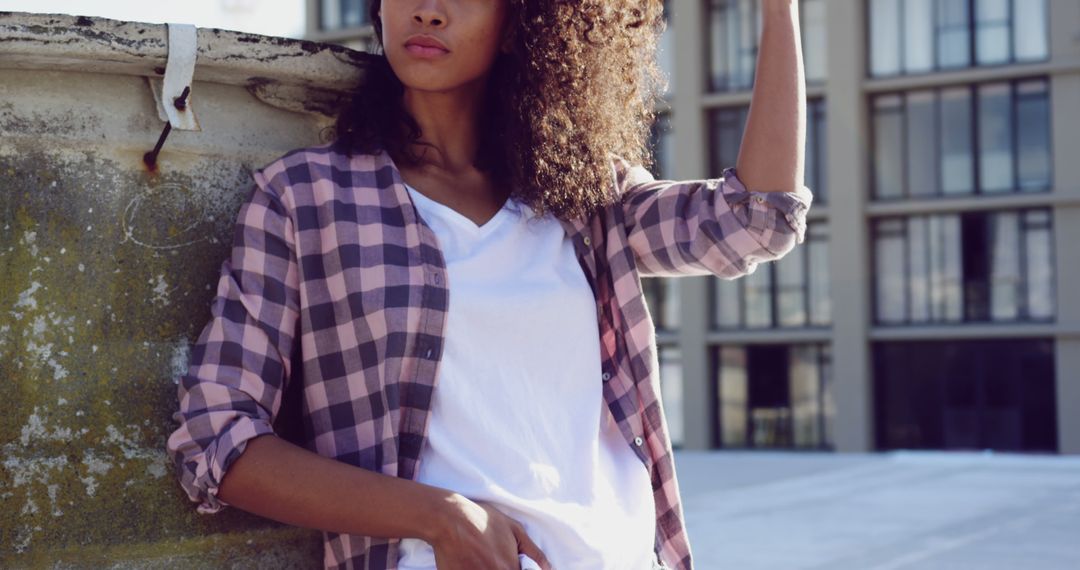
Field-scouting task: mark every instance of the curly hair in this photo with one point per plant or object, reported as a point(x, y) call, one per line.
point(579, 84)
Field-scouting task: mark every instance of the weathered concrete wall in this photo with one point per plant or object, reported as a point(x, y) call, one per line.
point(107, 270)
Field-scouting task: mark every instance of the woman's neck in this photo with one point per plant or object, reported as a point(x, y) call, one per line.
point(449, 124)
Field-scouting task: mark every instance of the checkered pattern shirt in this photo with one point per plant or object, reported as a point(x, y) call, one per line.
point(333, 278)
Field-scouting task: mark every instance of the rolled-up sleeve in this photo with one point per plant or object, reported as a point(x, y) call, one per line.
point(712, 226)
point(240, 363)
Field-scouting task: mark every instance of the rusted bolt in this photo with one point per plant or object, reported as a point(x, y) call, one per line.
point(150, 158)
point(181, 101)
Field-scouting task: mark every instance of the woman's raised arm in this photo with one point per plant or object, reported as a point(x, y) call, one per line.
point(771, 155)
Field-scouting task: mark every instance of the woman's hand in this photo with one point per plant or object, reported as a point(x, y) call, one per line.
point(484, 538)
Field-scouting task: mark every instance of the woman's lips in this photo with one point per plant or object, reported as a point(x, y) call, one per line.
point(425, 51)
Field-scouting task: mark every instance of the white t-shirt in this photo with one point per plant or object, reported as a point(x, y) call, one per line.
point(518, 417)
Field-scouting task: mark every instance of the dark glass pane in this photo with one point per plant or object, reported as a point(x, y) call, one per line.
point(817, 248)
point(353, 13)
point(995, 138)
point(769, 400)
point(889, 274)
point(946, 278)
point(956, 132)
point(1036, 361)
point(329, 14)
point(810, 177)
point(1030, 27)
point(671, 391)
point(662, 300)
point(734, 29)
point(732, 395)
point(976, 239)
point(813, 34)
point(992, 394)
point(888, 147)
point(918, 257)
point(1006, 279)
point(992, 37)
point(661, 141)
point(805, 386)
point(726, 135)
point(791, 288)
point(884, 37)
point(1039, 259)
point(922, 148)
point(907, 397)
point(918, 36)
point(821, 193)
point(953, 27)
point(727, 309)
point(757, 294)
point(1033, 135)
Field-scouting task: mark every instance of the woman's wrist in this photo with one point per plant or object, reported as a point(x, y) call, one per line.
point(444, 509)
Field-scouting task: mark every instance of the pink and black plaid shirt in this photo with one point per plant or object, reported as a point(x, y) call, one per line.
point(336, 290)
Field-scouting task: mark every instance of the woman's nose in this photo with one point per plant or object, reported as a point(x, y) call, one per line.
point(429, 13)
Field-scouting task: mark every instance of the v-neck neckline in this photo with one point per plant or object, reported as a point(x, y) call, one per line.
point(462, 219)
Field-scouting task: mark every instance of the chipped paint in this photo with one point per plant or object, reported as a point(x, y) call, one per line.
point(107, 273)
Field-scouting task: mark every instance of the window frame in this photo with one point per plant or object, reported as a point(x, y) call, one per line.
point(972, 32)
point(1023, 309)
point(816, 231)
point(1016, 95)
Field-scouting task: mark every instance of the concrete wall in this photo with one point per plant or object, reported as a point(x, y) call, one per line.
point(106, 275)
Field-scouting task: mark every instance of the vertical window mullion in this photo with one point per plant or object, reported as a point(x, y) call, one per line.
point(1023, 311)
point(976, 144)
point(901, 11)
point(805, 270)
point(972, 26)
point(906, 256)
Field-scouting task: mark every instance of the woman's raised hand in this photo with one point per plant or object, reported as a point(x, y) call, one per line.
point(484, 538)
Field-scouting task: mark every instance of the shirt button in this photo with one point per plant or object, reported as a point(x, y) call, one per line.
point(438, 278)
point(638, 441)
point(759, 198)
point(607, 376)
point(789, 218)
point(587, 240)
point(428, 353)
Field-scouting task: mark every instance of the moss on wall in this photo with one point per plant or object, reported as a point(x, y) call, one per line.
point(106, 275)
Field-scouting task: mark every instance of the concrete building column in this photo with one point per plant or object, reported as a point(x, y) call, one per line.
point(690, 160)
point(1065, 130)
point(849, 245)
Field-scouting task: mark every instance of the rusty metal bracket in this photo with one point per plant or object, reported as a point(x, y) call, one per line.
point(173, 93)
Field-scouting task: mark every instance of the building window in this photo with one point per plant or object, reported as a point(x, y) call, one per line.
point(661, 145)
point(989, 138)
point(662, 300)
point(726, 127)
point(735, 31)
point(792, 291)
point(671, 391)
point(968, 267)
point(774, 396)
point(921, 36)
point(341, 14)
point(986, 394)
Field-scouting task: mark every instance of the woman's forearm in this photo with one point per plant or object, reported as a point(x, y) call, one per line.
point(287, 483)
point(771, 154)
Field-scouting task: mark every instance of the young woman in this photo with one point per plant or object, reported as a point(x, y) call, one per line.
point(449, 295)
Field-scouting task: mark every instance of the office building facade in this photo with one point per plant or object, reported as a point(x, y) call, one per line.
point(931, 305)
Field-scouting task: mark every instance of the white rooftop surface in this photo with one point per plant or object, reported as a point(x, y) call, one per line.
point(748, 510)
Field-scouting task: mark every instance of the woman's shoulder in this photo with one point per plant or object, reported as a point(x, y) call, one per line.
point(303, 167)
